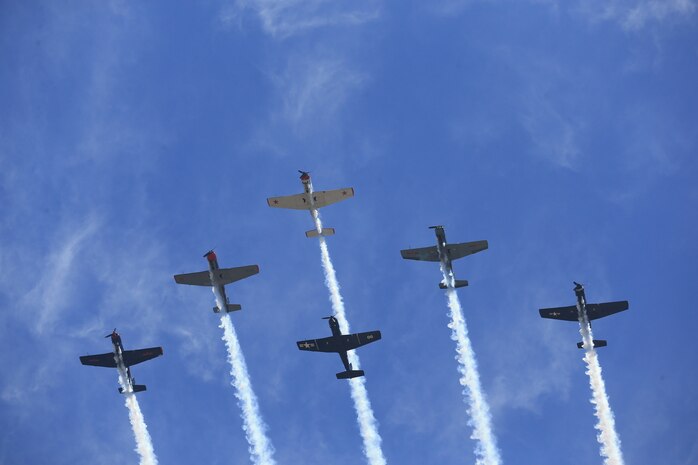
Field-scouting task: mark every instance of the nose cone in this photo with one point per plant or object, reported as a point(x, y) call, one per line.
point(210, 256)
point(305, 176)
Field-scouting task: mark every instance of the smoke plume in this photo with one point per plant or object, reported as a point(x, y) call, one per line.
point(606, 425)
point(486, 451)
point(144, 445)
point(261, 449)
point(368, 425)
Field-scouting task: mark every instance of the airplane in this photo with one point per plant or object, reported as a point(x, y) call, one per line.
point(445, 253)
point(593, 311)
point(340, 343)
point(311, 200)
point(124, 358)
point(217, 278)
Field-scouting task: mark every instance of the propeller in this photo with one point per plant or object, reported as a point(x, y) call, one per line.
point(110, 334)
point(208, 253)
point(327, 317)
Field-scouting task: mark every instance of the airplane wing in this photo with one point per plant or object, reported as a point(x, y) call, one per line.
point(560, 313)
point(310, 344)
point(428, 254)
point(294, 202)
point(100, 360)
point(202, 278)
point(595, 311)
point(339, 343)
point(456, 251)
point(325, 198)
point(134, 357)
point(361, 339)
point(230, 275)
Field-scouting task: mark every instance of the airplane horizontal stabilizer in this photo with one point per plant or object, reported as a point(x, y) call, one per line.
point(350, 374)
point(229, 308)
point(458, 283)
point(325, 232)
point(597, 343)
point(136, 388)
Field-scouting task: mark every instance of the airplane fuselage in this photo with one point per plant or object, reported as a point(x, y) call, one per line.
point(441, 247)
point(334, 326)
point(119, 355)
point(581, 297)
point(212, 269)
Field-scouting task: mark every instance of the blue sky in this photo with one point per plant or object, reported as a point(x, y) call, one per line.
point(133, 138)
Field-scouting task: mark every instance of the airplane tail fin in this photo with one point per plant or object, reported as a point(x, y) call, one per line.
point(325, 232)
point(228, 308)
point(597, 343)
point(350, 374)
point(458, 283)
point(136, 388)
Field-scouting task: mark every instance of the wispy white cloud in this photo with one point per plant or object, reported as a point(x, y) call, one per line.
point(312, 89)
point(312, 92)
point(49, 294)
point(553, 134)
point(636, 14)
point(631, 15)
point(284, 18)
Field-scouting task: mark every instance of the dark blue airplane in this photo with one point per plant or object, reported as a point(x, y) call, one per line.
point(593, 311)
point(125, 358)
point(340, 343)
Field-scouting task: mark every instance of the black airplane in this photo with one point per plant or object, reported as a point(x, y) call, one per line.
point(124, 358)
point(593, 311)
point(217, 278)
point(340, 343)
point(445, 253)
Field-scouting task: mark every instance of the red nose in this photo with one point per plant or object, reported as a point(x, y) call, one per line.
point(211, 256)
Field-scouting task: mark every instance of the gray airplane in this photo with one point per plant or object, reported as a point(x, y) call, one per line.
point(217, 278)
point(311, 200)
point(593, 311)
point(445, 253)
point(340, 343)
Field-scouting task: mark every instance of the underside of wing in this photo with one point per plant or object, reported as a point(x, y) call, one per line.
point(326, 344)
point(560, 313)
point(325, 198)
point(427, 254)
point(361, 339)
point(310, 344)
point(202, 278)
point(100, 360)
point(595, 311)
point(456, 251)
point(134, 357)
point(230, 275)
point(294, 202)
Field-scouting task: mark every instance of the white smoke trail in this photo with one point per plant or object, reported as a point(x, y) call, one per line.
point(368, 426)
point(607, 436)
point(144, 445)
point(486, 451)
point(261, 449)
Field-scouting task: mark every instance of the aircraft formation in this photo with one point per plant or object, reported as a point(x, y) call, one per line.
point(342, 343)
